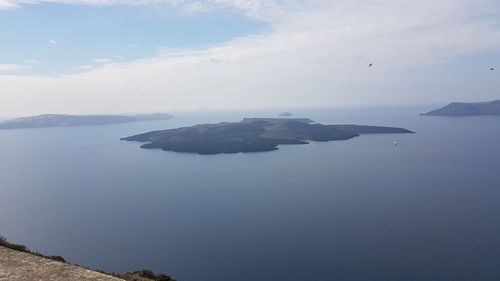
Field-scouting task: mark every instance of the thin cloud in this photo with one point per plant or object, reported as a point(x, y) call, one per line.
point(85, 67)
point(315, 55)
point(102, 60)
point(257, 8)
point(32, 61)
point(7, 67)
point(8, 5)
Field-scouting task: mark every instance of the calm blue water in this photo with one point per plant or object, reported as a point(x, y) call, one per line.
point(360, 209)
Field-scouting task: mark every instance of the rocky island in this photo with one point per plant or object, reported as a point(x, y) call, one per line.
point(252, 135)
point(467, 109)
point(64, 120)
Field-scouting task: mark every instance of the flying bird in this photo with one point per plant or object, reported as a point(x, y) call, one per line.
point(492, 68)
point(370, 65)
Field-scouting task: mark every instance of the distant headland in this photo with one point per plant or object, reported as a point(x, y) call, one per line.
point(252, 135)
point(467, 109)
point(64, 120)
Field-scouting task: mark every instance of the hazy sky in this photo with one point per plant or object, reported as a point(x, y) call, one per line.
point(98, 56)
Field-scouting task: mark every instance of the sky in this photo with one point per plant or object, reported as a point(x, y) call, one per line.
point(124, 56)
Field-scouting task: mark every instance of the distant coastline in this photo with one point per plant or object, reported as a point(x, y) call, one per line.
point(467, 109)
point(65, 120)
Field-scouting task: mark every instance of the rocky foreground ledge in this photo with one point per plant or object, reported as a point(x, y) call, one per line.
point(21, 266)
point(18, 263)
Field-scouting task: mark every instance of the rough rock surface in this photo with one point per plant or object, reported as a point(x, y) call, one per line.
point(20, 266)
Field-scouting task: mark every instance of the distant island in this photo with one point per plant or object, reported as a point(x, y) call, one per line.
point(64, 120)
point(252, 135)
point(285, 114)
point(467, 109)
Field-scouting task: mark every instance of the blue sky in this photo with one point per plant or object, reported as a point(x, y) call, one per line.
point(112, 56)
point(55, 38)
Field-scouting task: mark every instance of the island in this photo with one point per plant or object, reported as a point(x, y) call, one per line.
point(252, 135)
point(467, 109)
point(285, 114)
point(64, 120)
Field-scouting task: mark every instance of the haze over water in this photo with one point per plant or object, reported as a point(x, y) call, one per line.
point(360, 209)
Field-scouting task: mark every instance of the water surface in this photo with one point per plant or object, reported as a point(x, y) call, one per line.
point(359, 209)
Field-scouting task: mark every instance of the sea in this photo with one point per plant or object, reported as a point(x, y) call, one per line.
point(362, 209)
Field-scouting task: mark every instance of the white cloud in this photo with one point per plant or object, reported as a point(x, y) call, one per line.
point(7, 5)
point(32, 61)
point(316, 55)
point(86, 67)
point(7, 67)
point(259, 8)
point(102, 60)
point(269, 10)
